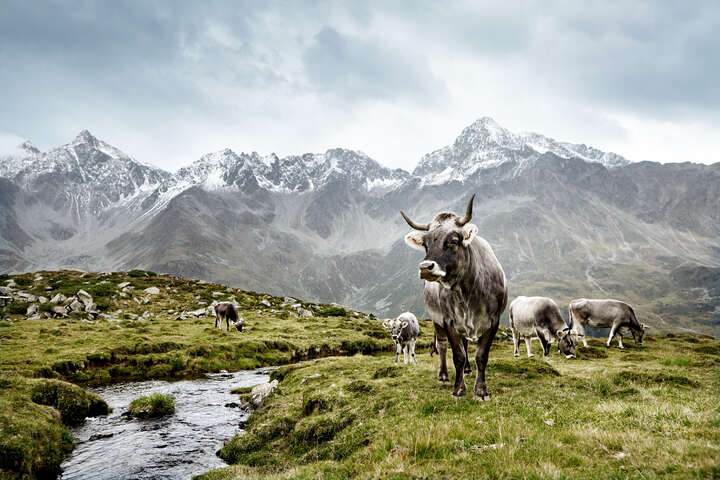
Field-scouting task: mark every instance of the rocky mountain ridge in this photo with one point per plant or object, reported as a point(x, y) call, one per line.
point(565, 220)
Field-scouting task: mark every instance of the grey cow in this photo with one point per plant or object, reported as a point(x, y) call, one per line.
point(530, 316)
point(618, 316)
point(226, 311)
point(465, 291)
point(404, 331)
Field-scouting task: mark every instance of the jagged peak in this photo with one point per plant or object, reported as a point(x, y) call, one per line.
point(85, 137)
point(28, 146)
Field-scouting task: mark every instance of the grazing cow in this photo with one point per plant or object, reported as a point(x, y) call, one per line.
point(465, 291)
point(404, 330)
point(226, 311)
point(613, 314)
point(530, 316)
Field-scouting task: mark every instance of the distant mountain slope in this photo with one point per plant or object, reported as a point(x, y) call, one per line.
point(565, 220)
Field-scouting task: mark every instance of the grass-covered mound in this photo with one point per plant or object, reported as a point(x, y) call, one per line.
point(646, 412)
point(33, 418)
point(152, 406)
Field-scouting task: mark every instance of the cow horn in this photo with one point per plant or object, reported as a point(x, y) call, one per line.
point(416, 226)
point(572, 322)
point(468, 213)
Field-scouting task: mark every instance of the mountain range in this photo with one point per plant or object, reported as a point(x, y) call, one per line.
point(565, 220)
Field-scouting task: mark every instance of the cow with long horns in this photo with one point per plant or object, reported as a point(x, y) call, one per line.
point(465, 291)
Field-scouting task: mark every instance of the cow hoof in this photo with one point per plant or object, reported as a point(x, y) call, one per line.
point(516, 355)
point(531, 355)
point(459, 394)
point(482, 398)
point(443, 377)
point(468, 371)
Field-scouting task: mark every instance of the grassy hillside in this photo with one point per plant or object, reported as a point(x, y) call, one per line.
point(647, 412)
point(136, 335)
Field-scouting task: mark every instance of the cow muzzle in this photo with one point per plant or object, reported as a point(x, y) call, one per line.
point(570, 356)
point(431, 271)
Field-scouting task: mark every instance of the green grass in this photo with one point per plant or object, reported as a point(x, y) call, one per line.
point(639, 413)
point(152, 406)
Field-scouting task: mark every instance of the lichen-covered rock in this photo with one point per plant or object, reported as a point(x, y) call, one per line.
point(260, 393)
point(58, 299)
point(84, 297)
point(152, 291)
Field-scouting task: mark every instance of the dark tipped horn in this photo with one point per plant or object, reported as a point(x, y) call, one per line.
point(416, 226)
point(572, 322)
point(468, 213)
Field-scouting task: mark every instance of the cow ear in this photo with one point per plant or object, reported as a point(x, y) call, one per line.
point(385, 324)
point(415, 240)
point(403, 324)
point(469, 232)
point(561, 333)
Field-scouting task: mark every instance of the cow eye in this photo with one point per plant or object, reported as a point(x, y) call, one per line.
point(452, 242)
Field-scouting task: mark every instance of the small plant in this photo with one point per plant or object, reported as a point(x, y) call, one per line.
point(333, 312)
point(152, 406)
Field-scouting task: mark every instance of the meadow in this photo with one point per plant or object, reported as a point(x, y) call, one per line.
point(343, 408)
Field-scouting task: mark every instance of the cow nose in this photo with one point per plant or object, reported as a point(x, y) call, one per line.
point(427, 265)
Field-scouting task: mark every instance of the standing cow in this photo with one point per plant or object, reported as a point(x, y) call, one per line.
point(404, 331)
point(226, 311)
point(530, 316)
point(465, 291)
point(613, 314)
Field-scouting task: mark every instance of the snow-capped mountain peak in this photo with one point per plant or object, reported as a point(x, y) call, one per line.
point(485, 144)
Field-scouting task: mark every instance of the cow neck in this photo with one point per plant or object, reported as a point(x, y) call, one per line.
point(465, 290)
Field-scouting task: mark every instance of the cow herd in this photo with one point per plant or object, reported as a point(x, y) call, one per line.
point(466, 292)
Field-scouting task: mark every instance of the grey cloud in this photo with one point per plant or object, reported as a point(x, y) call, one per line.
point(356, 68)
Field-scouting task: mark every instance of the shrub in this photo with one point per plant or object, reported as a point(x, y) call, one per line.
point(332, 312)
point(141, 273)
point(23, 281)
point(152, 406)
point(17, 308)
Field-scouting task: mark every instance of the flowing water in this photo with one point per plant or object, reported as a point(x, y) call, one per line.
point(173, 447)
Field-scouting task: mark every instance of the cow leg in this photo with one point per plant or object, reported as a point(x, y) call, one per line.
point(412, 352)
point(613, 329)
point(516, 343)
point(545, 345)
point(468, 370)
point(398, 348)
point(227, 323)
point(481, 359)
point(619, 337)
point(217, 320)
point(579, 328)
point(442, 345)
point(459, 359)
point(527, 346)
point(405, 353)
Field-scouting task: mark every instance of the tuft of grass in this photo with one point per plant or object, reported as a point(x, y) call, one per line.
point(152, 406)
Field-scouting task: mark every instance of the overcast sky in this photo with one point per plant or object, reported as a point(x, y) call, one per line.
point(169, 81)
